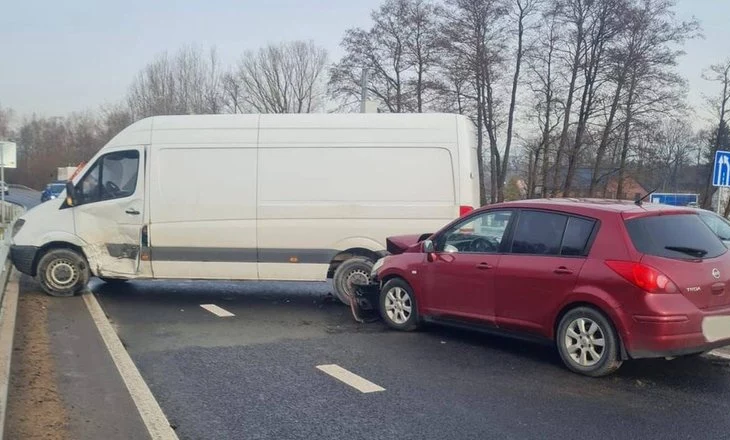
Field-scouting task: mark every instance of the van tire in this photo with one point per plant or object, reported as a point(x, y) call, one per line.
point(354, 269)
point(609, 360)
point(62, 272)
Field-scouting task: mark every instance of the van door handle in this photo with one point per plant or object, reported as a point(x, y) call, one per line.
point(562, 270)
point(132, 211)
point(484, 266)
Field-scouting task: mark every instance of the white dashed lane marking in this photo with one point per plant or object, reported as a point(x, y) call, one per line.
point(218, 311)
point(350, 378)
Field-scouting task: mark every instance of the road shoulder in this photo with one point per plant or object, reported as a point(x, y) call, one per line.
point(65, 384)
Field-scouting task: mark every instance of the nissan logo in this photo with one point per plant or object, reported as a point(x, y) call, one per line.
point(716, 273)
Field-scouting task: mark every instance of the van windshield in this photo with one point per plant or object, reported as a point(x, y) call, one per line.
point(678, 236)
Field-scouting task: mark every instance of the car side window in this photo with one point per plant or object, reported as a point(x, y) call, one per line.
point(113, 176)
point(480, 234)
point(539, 233)
point(577, 233)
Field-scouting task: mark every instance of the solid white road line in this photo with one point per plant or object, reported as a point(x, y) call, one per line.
point(719, 354)
point(154, 419)
point(218, 311)
point(350, 378)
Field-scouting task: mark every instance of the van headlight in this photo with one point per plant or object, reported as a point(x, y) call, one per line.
point(378, 264)
point(17, 226)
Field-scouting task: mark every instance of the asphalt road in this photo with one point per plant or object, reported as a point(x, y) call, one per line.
point(23, 196)
point(254, 375)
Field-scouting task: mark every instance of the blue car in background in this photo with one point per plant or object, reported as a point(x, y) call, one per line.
point(53, 190)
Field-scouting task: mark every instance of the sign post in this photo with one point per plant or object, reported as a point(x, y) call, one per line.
point(721, 175)
point(7, 160)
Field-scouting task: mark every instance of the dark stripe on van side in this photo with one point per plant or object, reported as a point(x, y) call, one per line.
point(125, 251)
point(237, 255)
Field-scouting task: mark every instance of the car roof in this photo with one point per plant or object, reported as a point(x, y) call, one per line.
point(597, 207)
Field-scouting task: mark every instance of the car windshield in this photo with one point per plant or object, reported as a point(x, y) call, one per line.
point(680, 236)
point(56, 187)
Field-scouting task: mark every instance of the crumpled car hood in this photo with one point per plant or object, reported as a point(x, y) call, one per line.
point(401, 243)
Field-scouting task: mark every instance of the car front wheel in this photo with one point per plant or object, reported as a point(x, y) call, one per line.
point(587, 342)
point(398, 305)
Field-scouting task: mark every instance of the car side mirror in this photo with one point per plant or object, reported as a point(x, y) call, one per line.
point(430, 250)
point(70, 193)
point(428, 247)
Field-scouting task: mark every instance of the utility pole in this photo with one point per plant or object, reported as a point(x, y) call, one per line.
point(364, 90)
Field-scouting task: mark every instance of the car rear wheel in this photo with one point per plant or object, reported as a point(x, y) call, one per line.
point(398, 305)
point(353, 271)
point(63, 272)
point(587, 342)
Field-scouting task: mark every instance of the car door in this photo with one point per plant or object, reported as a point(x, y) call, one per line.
point(108, 211)
point(460, 279)
point(545, 257)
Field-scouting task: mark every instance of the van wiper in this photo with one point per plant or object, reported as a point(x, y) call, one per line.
point(694, 252)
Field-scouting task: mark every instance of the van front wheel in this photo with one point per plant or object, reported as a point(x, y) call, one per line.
point(63, 272)
point(355, 270)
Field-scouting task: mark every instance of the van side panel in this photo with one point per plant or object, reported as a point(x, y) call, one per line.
point(316, 201)
point(203, 211)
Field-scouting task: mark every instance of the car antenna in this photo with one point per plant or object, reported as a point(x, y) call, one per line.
point(639, 200)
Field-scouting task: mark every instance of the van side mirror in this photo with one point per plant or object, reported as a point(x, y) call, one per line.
point(70, 193)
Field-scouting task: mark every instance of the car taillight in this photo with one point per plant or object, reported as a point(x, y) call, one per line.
point(644, 277)
point(465, 209)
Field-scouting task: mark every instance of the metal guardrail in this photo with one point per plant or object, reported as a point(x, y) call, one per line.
point(8, 309)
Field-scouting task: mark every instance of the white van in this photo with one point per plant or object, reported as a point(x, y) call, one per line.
point(250, 197)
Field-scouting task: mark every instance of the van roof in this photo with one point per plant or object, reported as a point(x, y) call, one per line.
point(242, 127)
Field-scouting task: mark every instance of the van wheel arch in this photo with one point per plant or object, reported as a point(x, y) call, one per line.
point(43, 250)
point(353, 253)
point(568, 307)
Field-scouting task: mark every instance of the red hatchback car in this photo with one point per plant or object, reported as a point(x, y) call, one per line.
point(605, 280)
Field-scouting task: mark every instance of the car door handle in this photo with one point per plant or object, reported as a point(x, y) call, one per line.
point(484, 266)
point(562, 270)
point(132, 211)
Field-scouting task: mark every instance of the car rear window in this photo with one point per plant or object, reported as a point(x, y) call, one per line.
point(678, 236)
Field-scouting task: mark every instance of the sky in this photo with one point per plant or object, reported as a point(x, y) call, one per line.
point(62, 56)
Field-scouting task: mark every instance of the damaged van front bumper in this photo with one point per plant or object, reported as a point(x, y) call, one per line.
point(365, 303)
point(23, 257)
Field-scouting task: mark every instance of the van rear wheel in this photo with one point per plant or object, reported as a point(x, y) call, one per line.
point(355, 270)
point(63, 272)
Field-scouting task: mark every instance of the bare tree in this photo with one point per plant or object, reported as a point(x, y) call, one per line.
point(472, 29)
point(603, 25)
point(186, 83)
point(643, 61)
point(284, 78)
point(400, 51)
point(720, 105)
point(6, 116)
point(232, 93)
point(541, 62)
point(522, 9)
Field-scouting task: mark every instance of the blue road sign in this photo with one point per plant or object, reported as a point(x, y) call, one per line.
point(674, 199)
point(721, 171)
